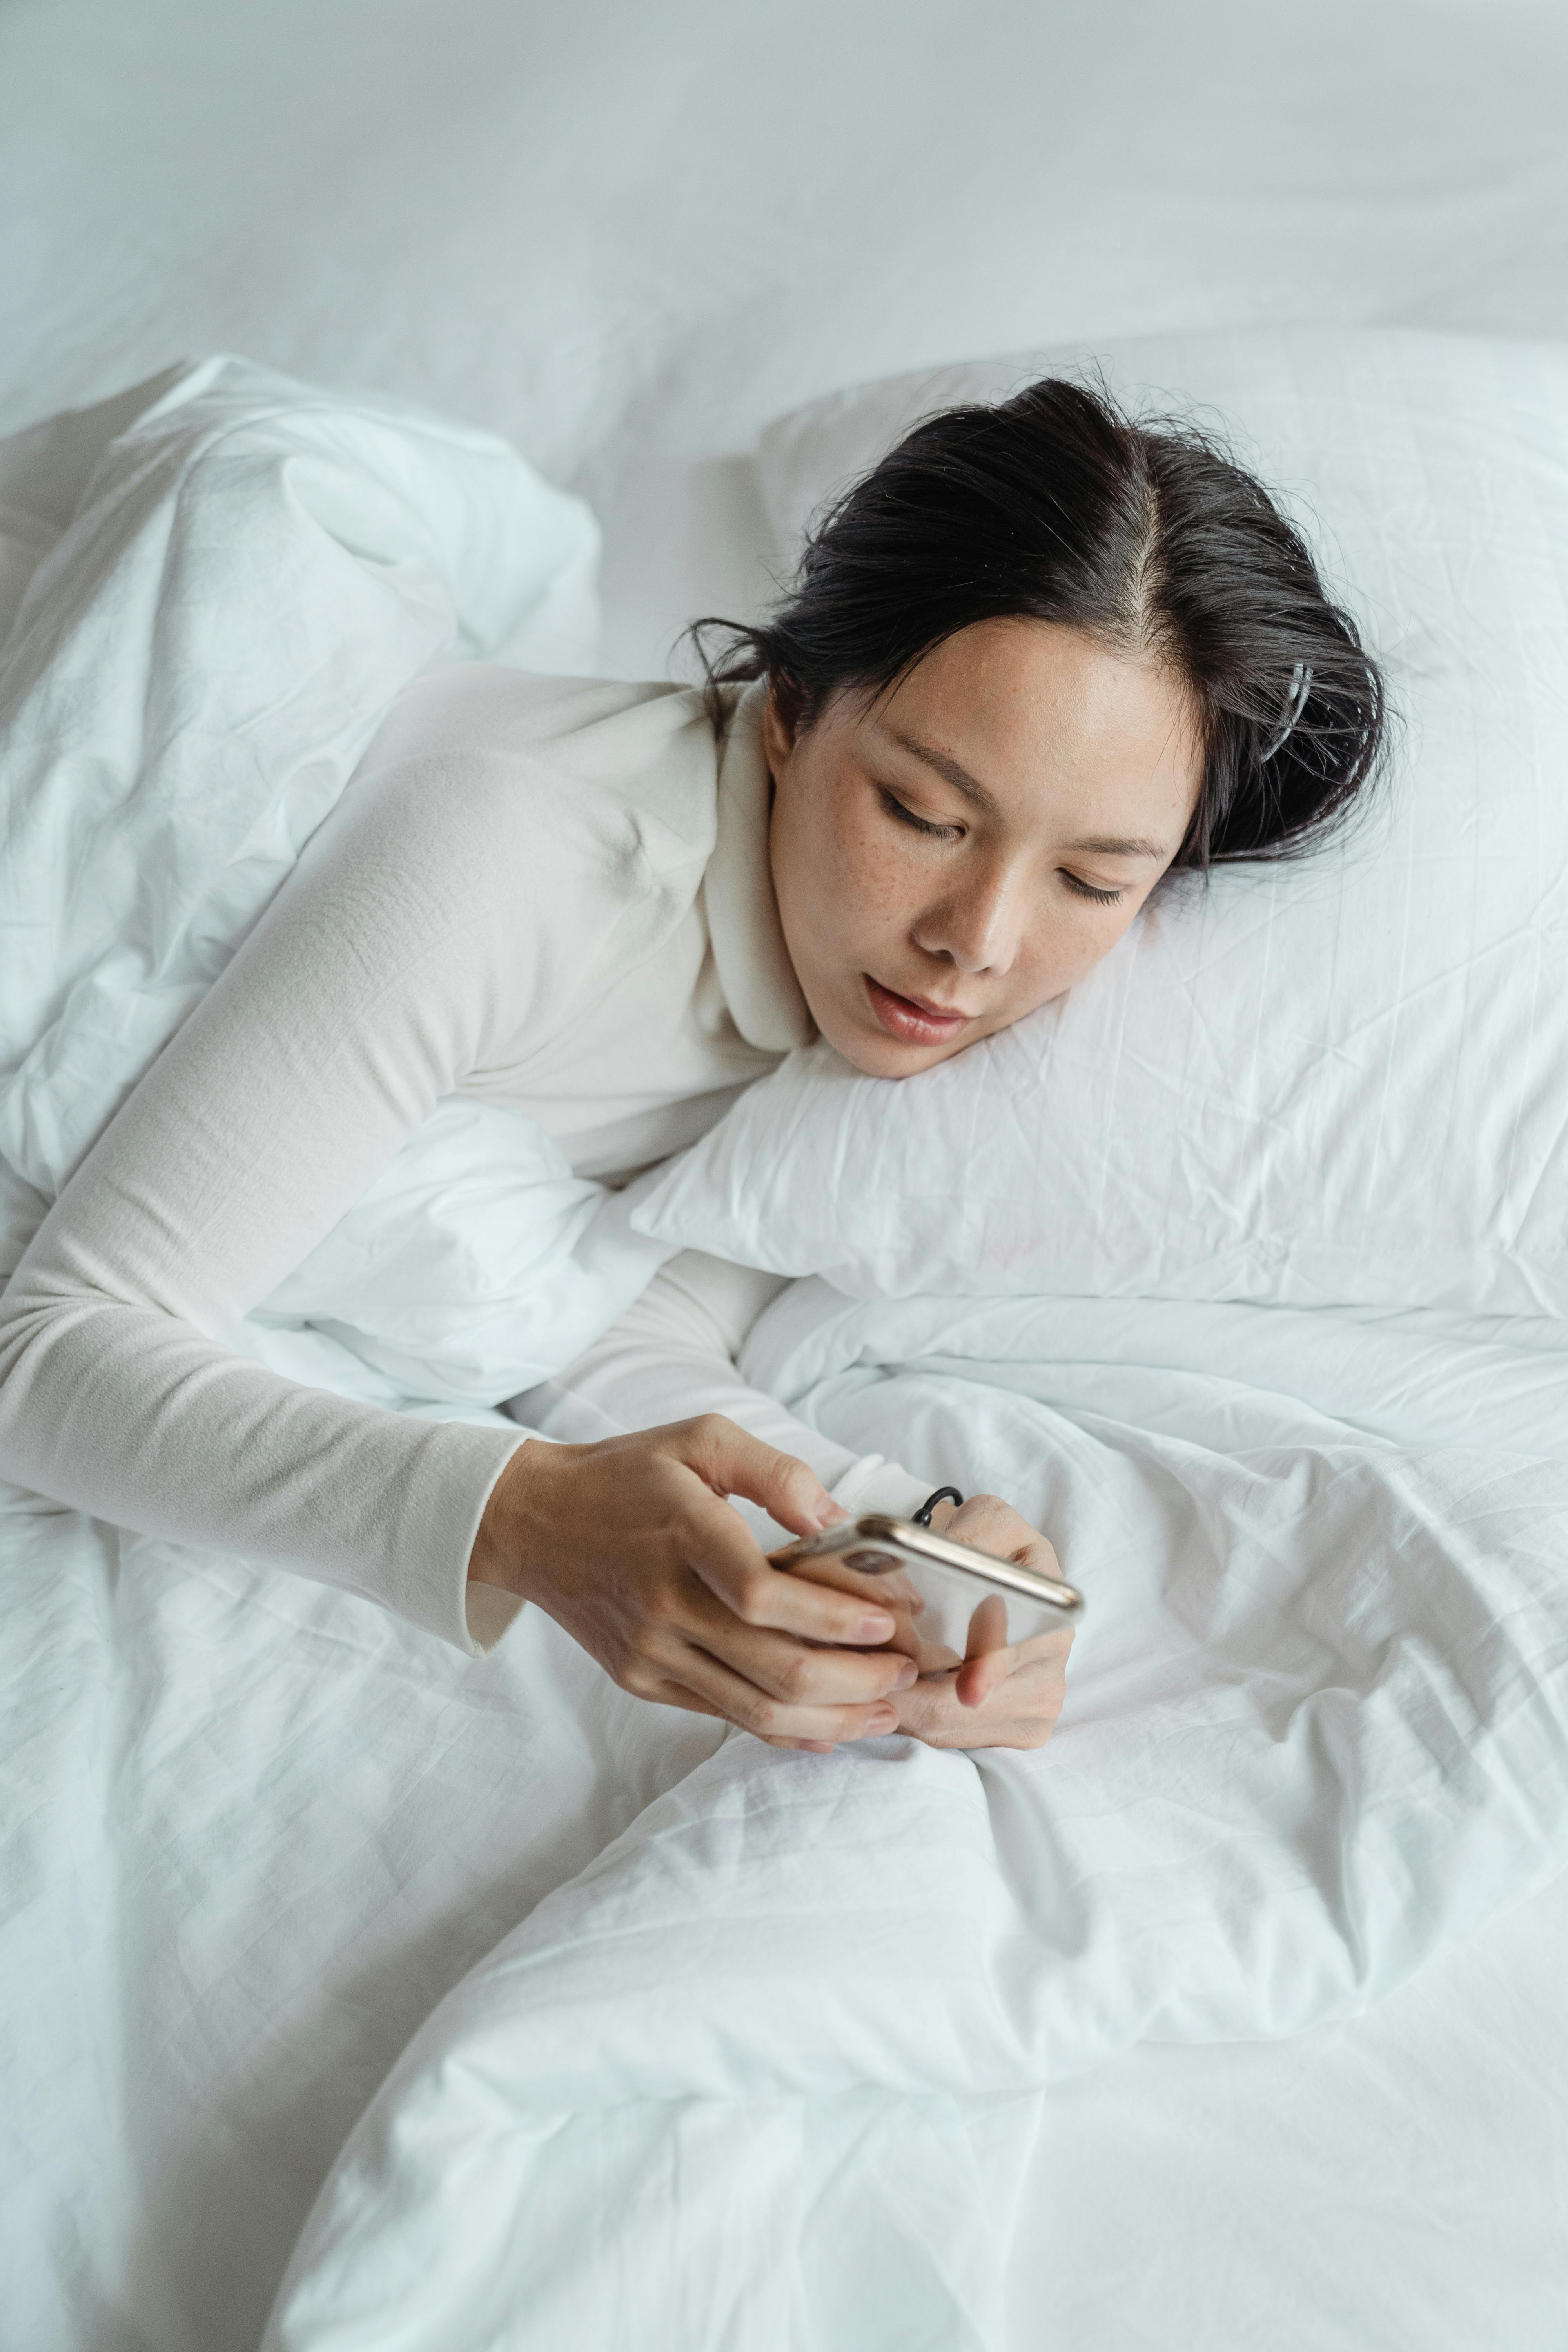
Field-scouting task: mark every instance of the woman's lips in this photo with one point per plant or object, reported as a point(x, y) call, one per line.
point(913, 1020)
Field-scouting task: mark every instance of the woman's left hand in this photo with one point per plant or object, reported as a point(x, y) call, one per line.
point(999, 1695)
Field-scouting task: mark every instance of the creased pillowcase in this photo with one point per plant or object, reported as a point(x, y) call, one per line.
point(1344, 1080)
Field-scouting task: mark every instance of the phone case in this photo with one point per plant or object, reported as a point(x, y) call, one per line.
point(886, 1544)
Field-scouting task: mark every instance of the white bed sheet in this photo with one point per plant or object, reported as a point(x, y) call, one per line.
point(626, 238)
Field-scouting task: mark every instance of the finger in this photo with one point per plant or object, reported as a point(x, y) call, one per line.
point(982, 1674)
point(987, 1627)
point(733, 1462)
point(877, 1592)
point(993, 1525)
point(988, 1660)
point(774, 1718)
point(1022, 1714)
point(904, 1633)
point(804, 1676)
point(721, 1552)
point(662, 1691)
point(978, 1678)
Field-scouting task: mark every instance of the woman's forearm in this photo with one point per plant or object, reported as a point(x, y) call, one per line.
point(124, 1412)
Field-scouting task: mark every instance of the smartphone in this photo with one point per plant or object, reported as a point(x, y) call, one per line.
point(875, 1545)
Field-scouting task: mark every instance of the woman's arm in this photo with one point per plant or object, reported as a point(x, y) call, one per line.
point(367, 991)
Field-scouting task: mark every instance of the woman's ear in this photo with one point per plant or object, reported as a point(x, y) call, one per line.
point(778, 732)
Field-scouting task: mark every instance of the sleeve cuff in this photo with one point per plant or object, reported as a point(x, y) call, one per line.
point(488, 1612)
point(874, 1484)
point(427, 1579)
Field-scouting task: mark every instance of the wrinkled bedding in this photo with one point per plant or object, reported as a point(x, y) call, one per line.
point(764, 2038)
point(1318, 1730)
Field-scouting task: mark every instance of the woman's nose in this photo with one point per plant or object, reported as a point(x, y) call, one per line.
point(978, 932)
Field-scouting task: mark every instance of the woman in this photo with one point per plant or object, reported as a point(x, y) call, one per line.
point(1040, 658)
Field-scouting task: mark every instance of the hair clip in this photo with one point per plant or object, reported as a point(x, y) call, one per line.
point(1295, 703)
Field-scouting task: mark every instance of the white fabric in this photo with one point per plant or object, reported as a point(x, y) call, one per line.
point(1317, 1730)
point(245, 573)
point(1340, 1080)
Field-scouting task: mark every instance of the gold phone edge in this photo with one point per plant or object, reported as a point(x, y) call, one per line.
point(926, 1543)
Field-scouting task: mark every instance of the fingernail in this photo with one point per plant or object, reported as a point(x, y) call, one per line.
point(830, 1514)
point(883, 1718)
point(877, 1627)
point(908, 1672)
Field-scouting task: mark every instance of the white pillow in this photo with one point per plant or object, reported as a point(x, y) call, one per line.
point(1341, 1081)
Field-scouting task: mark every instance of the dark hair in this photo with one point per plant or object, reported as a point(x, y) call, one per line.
point(1149, 538)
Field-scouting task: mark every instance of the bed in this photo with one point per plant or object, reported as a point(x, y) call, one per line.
point(257, 1837)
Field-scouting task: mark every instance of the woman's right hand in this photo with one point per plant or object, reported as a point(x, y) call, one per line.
point(632, 1547)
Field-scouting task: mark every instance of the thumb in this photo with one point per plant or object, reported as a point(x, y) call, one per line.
point(733, 1462)
point(987, 1659)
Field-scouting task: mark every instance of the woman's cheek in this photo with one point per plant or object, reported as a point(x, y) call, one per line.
point(844, 895)
point(1061, 953)
point(1095, 940)
point(889, 875)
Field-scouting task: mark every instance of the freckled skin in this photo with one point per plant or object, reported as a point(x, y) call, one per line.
point(986, 915)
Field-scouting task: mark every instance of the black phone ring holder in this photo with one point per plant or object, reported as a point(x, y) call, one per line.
point(921, 1518)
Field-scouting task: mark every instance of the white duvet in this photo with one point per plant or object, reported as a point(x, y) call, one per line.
point(761, 2069)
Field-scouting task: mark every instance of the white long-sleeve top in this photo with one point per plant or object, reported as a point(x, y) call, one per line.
point(551, 895)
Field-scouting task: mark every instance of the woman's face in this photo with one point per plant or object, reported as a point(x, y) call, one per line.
point(951, 856)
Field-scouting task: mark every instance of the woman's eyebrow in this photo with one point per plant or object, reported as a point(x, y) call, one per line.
point(1114, 846)
point(946, 765)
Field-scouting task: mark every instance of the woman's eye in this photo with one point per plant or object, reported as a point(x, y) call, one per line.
point(895, 807)
point(1087, 890)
